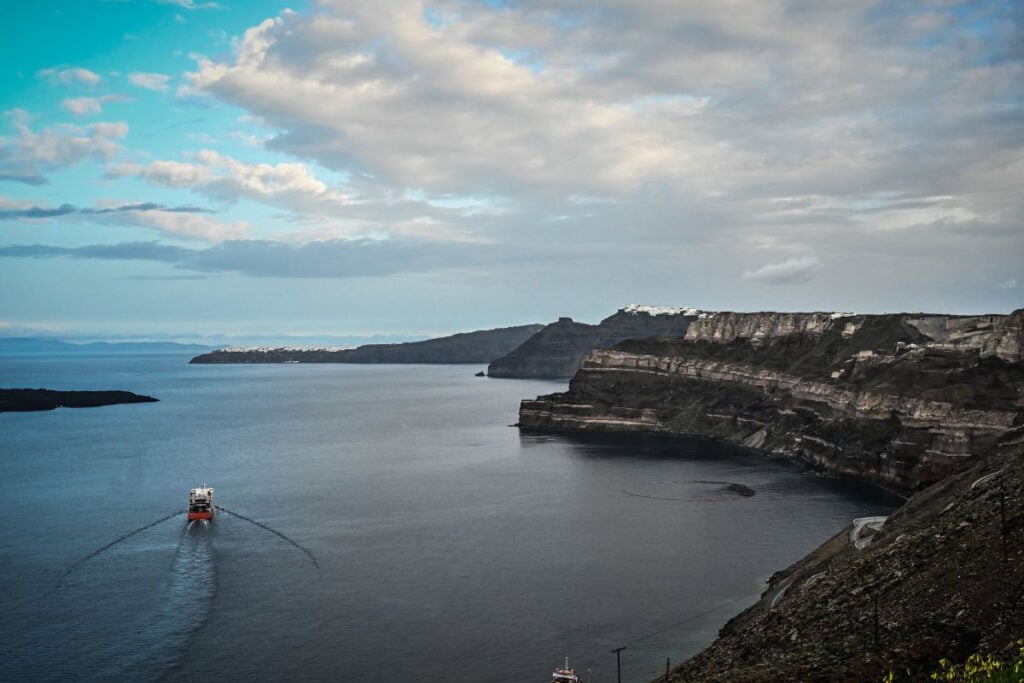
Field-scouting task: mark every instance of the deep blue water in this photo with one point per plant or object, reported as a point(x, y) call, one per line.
point(446, 546)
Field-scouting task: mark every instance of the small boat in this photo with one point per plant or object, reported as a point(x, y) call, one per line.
point(200, 503)
point(565, 674)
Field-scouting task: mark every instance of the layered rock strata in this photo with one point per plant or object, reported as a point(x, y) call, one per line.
point(899, 400)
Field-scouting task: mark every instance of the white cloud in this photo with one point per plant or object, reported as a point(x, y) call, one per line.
point(735, 98)
point(223, 177)
point(26, 156)
point(150, 81)
point(193, 225)
point(388, 93)
point(790, 272)
point(83, 106)
point(190, 4)
point(70, 76)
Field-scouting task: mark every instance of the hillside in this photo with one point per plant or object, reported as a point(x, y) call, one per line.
point(560, 348)
point(942, 578)
point(468, 347)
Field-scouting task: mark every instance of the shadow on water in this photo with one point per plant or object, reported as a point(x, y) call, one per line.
point(654, 447)
point(637, 445)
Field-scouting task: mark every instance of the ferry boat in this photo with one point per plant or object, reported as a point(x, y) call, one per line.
point(565, 674)
point(200, 503)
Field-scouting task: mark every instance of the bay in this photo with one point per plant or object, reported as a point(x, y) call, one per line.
point(409, 533)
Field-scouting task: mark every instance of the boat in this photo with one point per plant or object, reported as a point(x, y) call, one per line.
point(200, 503)
point(565, 674)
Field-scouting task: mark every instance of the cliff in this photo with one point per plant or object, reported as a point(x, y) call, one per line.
point(22, 400)
point(901, 400)
point(559, 349)
point(468, 347)
point(943, 577)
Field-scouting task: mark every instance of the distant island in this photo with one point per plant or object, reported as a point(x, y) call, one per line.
point(467, 347)
point(23, 400)
point(556, 350)
point(16, 346)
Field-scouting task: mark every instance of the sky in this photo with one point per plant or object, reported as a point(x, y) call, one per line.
point(344, 170)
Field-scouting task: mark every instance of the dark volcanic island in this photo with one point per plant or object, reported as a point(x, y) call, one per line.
point(21, 400)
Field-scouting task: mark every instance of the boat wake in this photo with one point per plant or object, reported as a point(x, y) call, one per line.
point(120, 539)
point(126, 614)
point(185, 605)
point(277, 533)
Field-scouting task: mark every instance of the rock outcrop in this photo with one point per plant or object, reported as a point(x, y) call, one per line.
point(559, 349)
point(942, 578)
point(899, 400)
point(468, 347)
point(23, 400)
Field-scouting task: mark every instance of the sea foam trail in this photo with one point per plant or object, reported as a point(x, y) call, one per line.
point(308, 552)
point(186, 603)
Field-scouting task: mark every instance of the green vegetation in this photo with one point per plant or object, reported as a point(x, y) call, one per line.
point(977, 669)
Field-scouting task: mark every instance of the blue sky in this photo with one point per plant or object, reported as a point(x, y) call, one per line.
point(259, 171)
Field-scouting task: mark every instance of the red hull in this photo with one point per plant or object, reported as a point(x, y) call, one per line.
point(200, 515)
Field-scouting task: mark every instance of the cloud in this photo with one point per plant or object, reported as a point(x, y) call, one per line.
point(29, 155)
point(790, 272)
point(150, 81)
point(388, 93)
point(192, 225)
point(70, 76)
point(180, 221)
point(82, 106)
point(549, 101)
point(33, 212)
point(336, 259)
point(226, 178)
point(190, 4)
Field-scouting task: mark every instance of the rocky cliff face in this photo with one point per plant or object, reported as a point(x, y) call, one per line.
point(943, 577)
point(560, 348)
point(900, 400)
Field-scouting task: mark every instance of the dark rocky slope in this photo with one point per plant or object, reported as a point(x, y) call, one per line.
point(19, 400)
point(900, 400)
point(944, 574)
point(468, 347)
point(559, 349)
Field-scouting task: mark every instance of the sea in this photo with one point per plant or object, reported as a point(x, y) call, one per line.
point(378, 523)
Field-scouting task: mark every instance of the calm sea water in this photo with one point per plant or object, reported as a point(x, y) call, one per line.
point(443, 545)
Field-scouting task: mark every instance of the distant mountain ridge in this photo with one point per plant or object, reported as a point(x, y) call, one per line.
point(31, 345)
point(467, 347)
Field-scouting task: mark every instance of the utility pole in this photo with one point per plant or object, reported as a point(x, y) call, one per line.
point(1002, 518)
point(618, 662)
